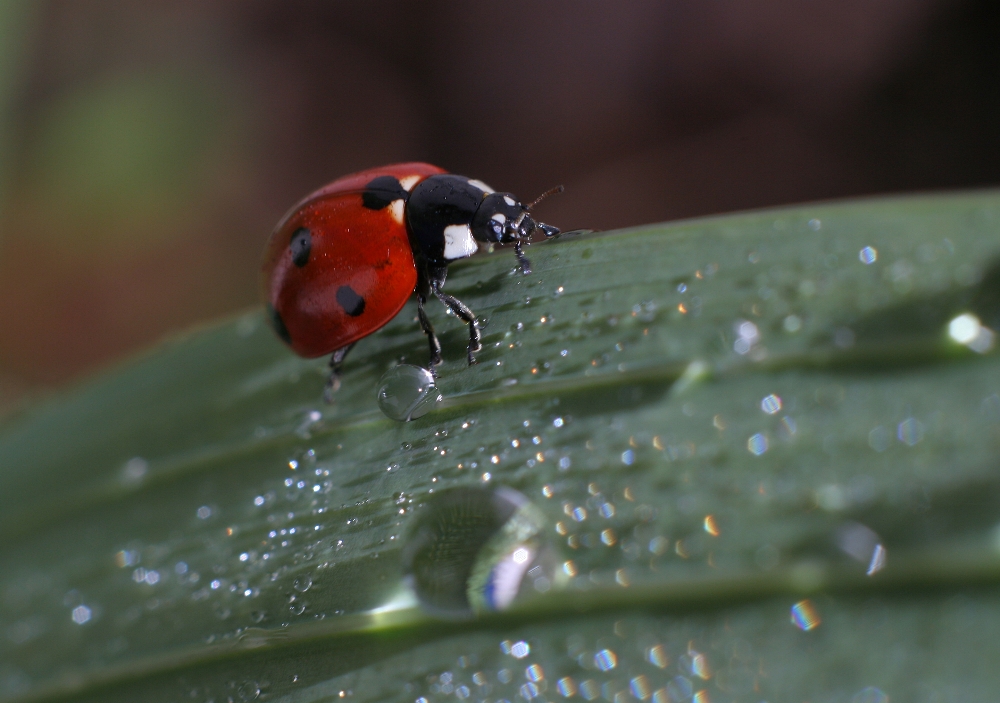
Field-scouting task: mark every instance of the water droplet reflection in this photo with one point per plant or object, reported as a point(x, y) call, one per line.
point(470, 549)
point(407, 392)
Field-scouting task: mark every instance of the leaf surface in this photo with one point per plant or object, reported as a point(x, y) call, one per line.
point(719, 422)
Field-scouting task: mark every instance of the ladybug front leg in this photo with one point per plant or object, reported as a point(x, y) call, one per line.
point(463, 312)
point(522, 259)
point(333, 382)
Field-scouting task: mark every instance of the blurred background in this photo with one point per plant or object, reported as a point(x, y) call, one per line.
point(148, 148)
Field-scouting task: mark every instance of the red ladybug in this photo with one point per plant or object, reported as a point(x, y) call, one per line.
point(344, 261)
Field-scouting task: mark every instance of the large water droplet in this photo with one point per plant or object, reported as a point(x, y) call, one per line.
point(470, 549)
point(407, 392)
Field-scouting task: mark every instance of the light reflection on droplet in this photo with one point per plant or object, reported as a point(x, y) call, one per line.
point(792, 323)
point(534, 673)
point(747, 335)
point(407, 392)
point(910, 431)
point(868, 255)
point(878, 560)
point(639, 688)
point(81, 614)
point(804, 616)
point(697, 663)
point(520, 649)
point(878, 439)
point(771, 404)
point(657, 656)
point(757, 444)
point(528, 691)
point(566, 687)
point(590, 690)
point(628, 457)
point(966, 329)
point(605, 660)
point(679, 689)
point(710, 525)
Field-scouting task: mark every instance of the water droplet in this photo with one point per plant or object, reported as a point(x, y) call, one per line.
point(657, 656)
point(248, 691)
point(771, 404)
point(470, 549)
point(639, 688)
point(804, 615)
point(407, 392)
point(679, 689)
point(910, 431)
point(868, 255)
point(302, 583)
point(757, 444)
point(81, 614)
point(605, 660)
point(566, 687)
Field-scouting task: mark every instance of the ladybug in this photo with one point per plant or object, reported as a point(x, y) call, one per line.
point(345, 260)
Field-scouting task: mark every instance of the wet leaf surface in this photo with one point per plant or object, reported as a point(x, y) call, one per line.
point(745, 458)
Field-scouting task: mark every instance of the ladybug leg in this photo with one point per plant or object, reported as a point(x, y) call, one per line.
point(428, 328)
point(463, 312)
point(333, 382)
point(522, 259)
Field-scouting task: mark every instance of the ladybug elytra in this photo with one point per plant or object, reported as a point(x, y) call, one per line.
point(345, 259)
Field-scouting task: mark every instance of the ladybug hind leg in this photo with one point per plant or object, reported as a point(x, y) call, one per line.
point(333, 382)
point(465, 314)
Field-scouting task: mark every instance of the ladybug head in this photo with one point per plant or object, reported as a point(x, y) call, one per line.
point(501, 218)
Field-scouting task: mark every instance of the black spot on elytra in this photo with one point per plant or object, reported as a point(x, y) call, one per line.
point(278, 324)
point(300, 246)
point(352, 303)
point(381, 191)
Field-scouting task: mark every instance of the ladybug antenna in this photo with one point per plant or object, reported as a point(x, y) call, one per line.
point(543, 196)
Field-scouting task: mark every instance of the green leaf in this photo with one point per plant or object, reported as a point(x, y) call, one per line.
point(759, 450)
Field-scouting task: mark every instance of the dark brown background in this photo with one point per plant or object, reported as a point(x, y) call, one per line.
point(147, 148)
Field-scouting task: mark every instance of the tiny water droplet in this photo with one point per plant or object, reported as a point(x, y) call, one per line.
point(303, 583)
point(407, 392)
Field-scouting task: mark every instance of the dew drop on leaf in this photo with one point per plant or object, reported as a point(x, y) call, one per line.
point(407, 392)
point(471, 548)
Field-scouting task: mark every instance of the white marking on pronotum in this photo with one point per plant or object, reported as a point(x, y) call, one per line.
point(482, 186)
point(509, 200)
point(408, 182)
point(458, 242)
point(396, 208)
point(499, 217)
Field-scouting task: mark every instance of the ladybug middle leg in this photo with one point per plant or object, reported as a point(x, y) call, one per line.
point(428, 328)
point(462, 311)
